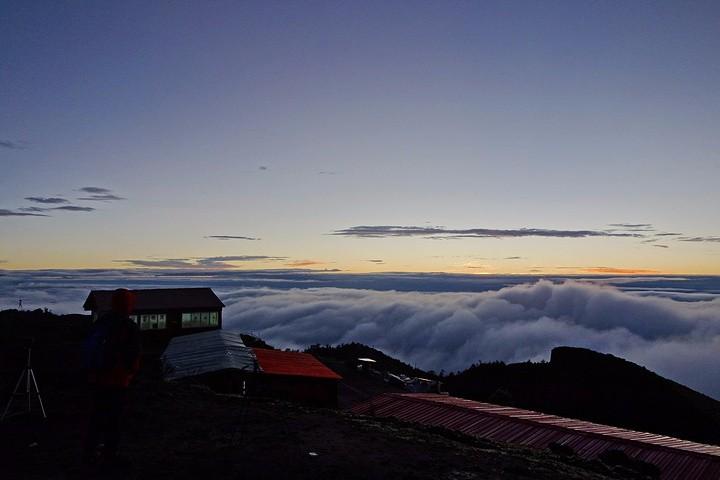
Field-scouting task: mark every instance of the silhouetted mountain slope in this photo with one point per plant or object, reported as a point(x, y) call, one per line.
point(350, 352)
point(587, 385)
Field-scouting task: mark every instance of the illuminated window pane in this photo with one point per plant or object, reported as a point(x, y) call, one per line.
point(198, 319)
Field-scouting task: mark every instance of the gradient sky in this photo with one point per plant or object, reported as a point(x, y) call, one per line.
point(287, 122)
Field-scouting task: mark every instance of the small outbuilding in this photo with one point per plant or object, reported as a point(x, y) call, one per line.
point(174, 311)
point(216, 358)
point(296, 376)
point(222, 361)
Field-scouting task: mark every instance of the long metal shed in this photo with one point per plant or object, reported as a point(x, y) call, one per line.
point(676, 459)
point(207, 352)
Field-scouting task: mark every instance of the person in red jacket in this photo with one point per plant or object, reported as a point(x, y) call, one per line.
point(112, 358)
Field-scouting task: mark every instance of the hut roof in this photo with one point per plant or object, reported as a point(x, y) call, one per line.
point(276, 362)
point(158, 299)
point(206, 352)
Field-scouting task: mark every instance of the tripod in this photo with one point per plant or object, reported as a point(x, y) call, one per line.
point(31, 387)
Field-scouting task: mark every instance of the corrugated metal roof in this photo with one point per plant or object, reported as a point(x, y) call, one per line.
point(206, 352)
point(276, 362)
point(677, 459)
point(158, 299)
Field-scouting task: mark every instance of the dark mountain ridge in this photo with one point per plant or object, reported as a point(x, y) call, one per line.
point(580, 383)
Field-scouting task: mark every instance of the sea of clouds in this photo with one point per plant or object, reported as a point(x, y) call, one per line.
point(670, 325)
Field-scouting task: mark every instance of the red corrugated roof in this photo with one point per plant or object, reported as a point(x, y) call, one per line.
point(276, 362)
point(677, 459)
point(158, 299)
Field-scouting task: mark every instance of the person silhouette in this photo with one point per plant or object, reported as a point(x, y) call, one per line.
point(112, 358)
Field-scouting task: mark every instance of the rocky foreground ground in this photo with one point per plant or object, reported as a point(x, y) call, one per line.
point(183, 431)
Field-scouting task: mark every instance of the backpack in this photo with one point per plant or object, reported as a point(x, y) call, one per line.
point(97, 348)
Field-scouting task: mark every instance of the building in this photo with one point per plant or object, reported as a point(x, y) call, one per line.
point(297, 377)
point(171, 310)
point(221, 360)
point(217, 358)
point(676, 459)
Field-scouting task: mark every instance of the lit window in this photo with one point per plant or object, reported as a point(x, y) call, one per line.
point(153, 321)
point(199, 319)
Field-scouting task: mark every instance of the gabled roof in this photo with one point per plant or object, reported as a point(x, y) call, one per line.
point(158, 299)
point(276, 362)
point(676, 459)
point(206, 352)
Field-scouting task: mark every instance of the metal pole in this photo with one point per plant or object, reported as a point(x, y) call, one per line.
point(14, 394)
point(27, 382)
point(37, 390)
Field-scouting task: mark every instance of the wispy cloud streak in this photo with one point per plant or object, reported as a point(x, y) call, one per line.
point(230, 237)
point(95, 190)
point(46, 200)
point(384, 231)
point(13, 213)
point(73, 208)
point(304, 263)
point(218, 262)
point(9, 144)
point(106, 197)
point(634, 227)
point(710, 239)
point(67, 208)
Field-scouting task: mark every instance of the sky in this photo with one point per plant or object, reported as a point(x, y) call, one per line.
point(568, 137)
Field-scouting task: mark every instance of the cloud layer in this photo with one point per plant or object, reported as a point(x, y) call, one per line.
point(437, 321)
point(680, 340)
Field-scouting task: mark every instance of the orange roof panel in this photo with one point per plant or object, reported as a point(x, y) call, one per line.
point(276, 362)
